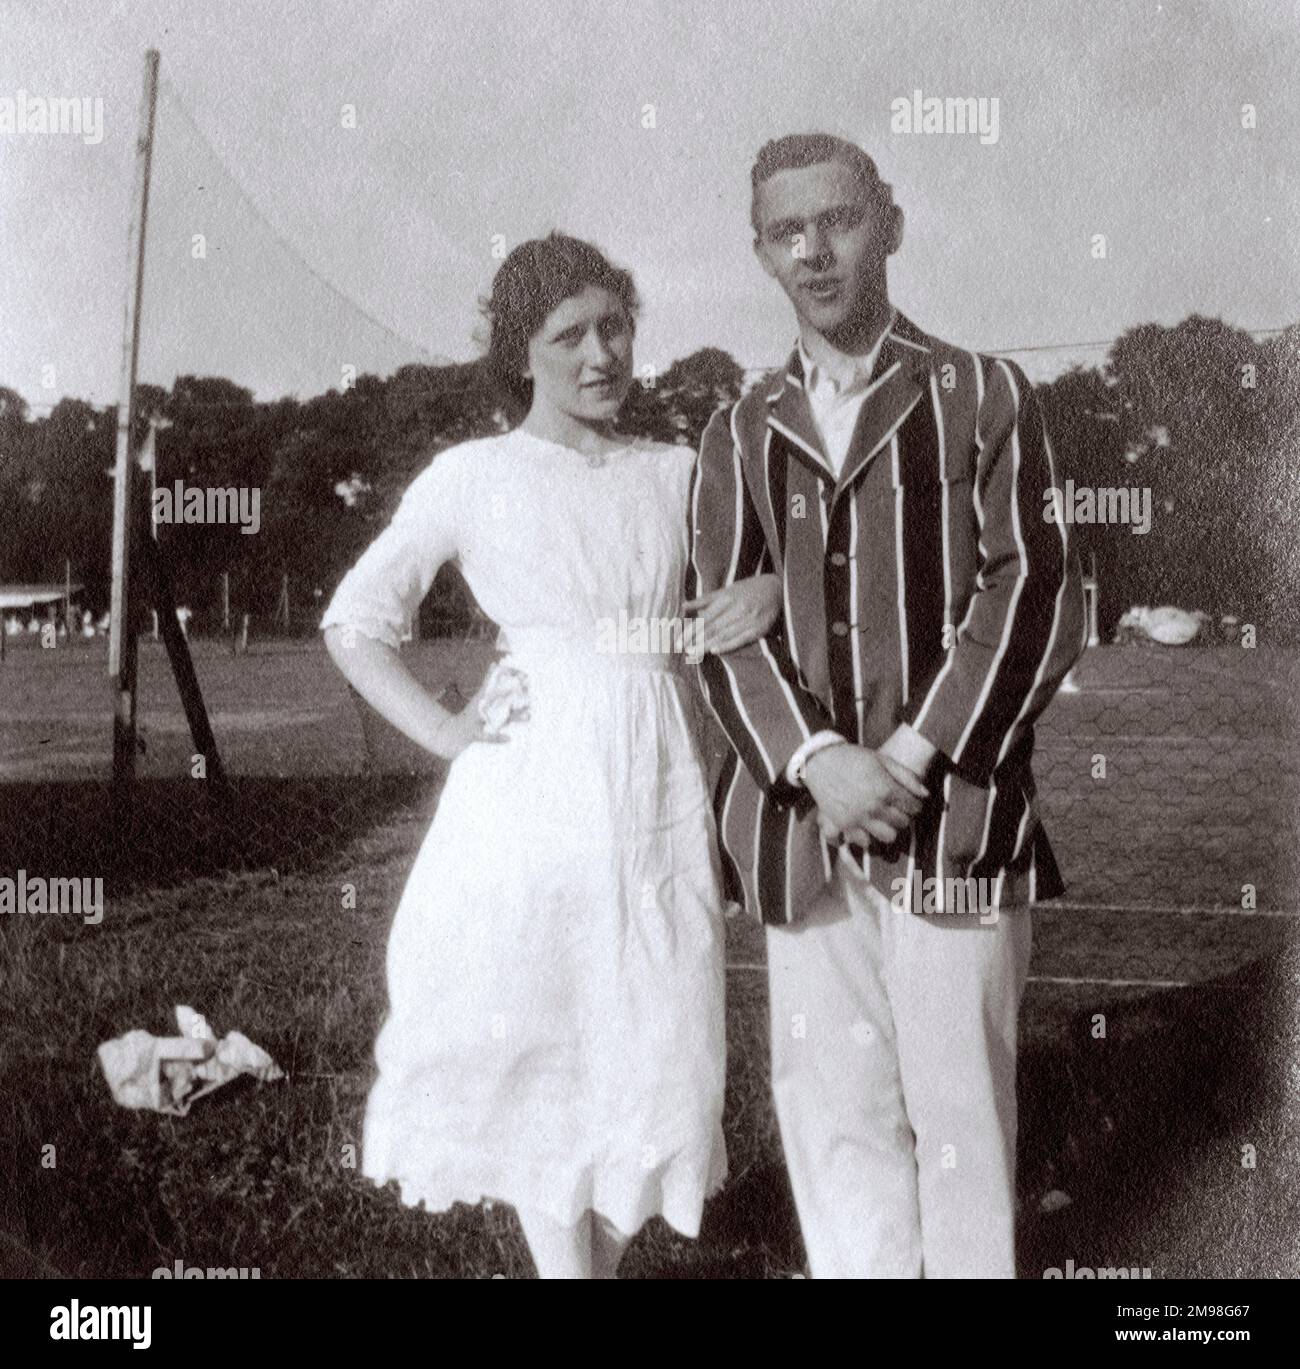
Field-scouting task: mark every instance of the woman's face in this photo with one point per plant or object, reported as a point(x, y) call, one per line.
point(580, 360)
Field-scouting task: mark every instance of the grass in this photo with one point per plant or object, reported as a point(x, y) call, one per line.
point(241, 917)
point(255, 1176)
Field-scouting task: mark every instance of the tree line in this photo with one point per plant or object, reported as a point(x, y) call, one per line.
point(1201, 415)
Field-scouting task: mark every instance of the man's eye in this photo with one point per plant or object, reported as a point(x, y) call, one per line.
point(844, 218)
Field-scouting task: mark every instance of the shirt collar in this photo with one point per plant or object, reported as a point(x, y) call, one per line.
point(844, 372)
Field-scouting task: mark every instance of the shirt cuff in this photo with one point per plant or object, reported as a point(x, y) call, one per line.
point(912, 748)
point(819, 741)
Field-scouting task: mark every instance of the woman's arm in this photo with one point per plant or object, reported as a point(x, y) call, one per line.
point(380, 596)
point(378, 673)
point(736, 614)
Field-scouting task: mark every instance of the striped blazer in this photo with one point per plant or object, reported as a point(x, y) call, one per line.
point(924, 585)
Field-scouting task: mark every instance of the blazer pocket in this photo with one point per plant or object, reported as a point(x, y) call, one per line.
point(936, 497)
point(925, 469)
point(944, 501)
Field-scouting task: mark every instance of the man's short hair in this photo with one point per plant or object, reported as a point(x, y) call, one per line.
point(796, 150)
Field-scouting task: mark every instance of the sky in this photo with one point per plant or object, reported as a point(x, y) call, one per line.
point(284, 245)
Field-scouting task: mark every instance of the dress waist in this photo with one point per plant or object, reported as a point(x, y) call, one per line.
point(590, 649)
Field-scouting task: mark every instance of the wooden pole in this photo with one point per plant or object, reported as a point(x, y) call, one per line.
point(153, 479)
point(122, 634)
point(225, 601)
point(1092, 595)
point(182, 664)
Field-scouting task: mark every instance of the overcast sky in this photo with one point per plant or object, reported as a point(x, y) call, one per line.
point(492, 121)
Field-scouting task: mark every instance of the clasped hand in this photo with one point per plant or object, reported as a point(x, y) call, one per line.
point(861, 793)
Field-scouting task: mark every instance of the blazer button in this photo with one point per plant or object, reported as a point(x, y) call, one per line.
point(840, 629)
point(838, 558)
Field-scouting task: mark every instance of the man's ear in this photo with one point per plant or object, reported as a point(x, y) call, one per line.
point(895, 229)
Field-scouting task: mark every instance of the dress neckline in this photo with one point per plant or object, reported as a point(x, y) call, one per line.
point(592, 459)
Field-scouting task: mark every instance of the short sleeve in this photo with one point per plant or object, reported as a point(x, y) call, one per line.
point(381, 594)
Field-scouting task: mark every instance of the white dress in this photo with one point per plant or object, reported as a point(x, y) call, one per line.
point(555, 1035)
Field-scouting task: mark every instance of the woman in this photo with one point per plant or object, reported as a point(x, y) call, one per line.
point(555, 1033)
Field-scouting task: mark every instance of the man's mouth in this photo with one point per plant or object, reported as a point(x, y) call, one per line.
point(824, 289)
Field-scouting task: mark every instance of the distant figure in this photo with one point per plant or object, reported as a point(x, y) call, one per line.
point(104, 623)
point(13, 626)
point(183, 616)
point(33, 624)
point(87, 623)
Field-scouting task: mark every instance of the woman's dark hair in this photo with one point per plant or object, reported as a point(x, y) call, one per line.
point(535, 278)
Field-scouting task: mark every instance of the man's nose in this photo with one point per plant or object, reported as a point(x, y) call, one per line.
point(817, 249)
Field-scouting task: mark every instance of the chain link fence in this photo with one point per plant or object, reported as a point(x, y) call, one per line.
point(1167, 779)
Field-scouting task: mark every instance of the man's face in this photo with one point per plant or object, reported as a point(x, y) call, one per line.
point(826, 244)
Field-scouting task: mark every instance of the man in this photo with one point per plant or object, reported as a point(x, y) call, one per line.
point(883, 730)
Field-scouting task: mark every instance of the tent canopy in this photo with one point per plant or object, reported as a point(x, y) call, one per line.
point(32, 596)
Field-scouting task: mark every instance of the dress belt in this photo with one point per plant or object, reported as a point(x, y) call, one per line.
point(587, 649)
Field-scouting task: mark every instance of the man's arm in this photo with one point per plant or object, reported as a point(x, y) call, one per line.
point(1023, 628)
point(753, 691)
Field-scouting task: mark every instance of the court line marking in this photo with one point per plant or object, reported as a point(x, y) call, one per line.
point(1063, 979)
point(1154, 737)
point(1112, 689)
point(1113, 983)
point(1223, 910)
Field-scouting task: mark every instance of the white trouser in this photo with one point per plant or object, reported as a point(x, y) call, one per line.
point(894, 1076)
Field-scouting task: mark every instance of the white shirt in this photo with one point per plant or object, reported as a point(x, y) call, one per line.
point(836, 391)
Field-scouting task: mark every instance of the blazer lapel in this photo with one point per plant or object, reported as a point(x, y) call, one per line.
point(790, 418)
point(901, 374)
